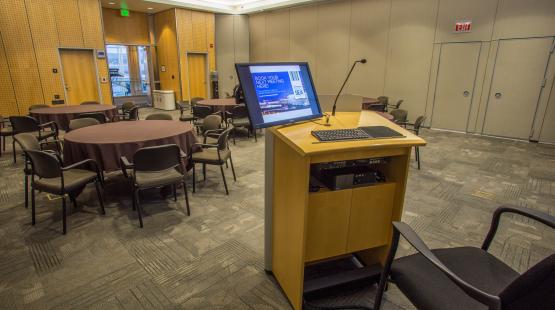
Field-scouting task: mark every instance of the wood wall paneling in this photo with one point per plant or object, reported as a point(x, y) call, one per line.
point(166, 41)
point(211, 40)
point(20, 54)
point(333, 59)
point(277, 28)
point(368, 39)
point(257, 37)
point(43, 29)
point(68, 23)
point(127, 30)
point(8, 106)
point(198, 23)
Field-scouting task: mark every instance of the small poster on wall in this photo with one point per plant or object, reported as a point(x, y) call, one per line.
point(463, 26)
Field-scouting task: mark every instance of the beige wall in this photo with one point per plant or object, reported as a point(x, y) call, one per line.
point(32, 31)
point(232, 46)
point(401, 40)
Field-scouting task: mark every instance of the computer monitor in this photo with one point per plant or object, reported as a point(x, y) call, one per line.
point(278, 93)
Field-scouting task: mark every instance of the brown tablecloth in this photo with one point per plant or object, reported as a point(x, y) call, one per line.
point(106, 143)
point(62, 115)
point(219, 105)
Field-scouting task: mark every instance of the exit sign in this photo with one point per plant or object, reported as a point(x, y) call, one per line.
point(124, 12)
point(462, 26)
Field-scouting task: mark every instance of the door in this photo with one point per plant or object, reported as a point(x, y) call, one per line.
point(455, 85)
point(517, 81)
point(79, 71)
point(197, 75)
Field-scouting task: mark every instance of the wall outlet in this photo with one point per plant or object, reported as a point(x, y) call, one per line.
point(103, 80)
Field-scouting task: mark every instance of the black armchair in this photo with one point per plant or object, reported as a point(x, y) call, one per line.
point(5, 132)
point(59, 180)
point(185, 111)
point(238, 116)
point(100, 117)
point(415, 127)
point(128, 112)
point(155, 167)
point(469, 277)
point(22, 124)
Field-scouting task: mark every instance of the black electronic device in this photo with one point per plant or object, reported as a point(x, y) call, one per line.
point(362, 61)
point(346, 174)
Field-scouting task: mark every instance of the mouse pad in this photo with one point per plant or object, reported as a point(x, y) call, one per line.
point(381, 132)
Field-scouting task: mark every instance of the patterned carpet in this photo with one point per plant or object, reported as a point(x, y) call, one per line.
point(214, 258)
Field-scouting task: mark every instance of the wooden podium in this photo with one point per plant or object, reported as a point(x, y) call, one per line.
point(304, 227)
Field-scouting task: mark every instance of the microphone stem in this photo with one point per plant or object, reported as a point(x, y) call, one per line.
point(341, 89)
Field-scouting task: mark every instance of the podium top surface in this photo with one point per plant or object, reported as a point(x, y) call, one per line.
point(300, 138)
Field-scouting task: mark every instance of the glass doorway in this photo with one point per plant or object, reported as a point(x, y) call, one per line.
point(129, 70)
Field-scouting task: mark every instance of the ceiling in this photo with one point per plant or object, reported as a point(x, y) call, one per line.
point(219, 6)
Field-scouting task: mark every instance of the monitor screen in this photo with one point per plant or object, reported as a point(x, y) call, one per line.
point(278, 93)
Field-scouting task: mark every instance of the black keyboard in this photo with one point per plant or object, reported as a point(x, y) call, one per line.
point(341, 134)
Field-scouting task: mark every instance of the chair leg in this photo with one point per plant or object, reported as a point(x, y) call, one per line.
point(223, 176)
point(194, 177)
point(204, 171)
point(73, 201)
point(232, 168)
point(386, 270)
point(13, 150)
point(26, 191)
point(33, 206)
point(99, 194)
point(174, 192)
point(186, 198)
point(418, 157)
point(64, 214)
point(254, 130)
point(136, 198)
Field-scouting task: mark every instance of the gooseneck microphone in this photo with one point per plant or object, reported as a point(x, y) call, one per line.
point(362, 61)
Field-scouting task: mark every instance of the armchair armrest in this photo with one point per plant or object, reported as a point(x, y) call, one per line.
point(125, 164)
point(206, 145)
point(81, 163)
point(52, 125)
point(541, 217)
point(492, 301)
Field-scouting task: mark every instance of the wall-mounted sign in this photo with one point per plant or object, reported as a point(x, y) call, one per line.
point(462, 26)
point(163, 68)
point(100, 54)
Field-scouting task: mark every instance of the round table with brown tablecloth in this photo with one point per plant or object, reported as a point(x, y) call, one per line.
point(219, 105)
point(106, 143)
point(62, 115)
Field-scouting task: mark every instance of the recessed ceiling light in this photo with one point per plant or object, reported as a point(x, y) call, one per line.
point(150, 8)
point(111, 3)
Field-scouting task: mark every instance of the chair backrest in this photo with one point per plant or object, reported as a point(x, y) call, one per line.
point(89, 102)
point(239, 111)
point(238, 94)
point(399, 115)
point(157, 158)
point(133, 113)
point(383, 99)
point(128, 105)
point(534, 289)
point(38, 106)
point(159, 116)
point(45, 165)
point(222, 139)
point(195, 100)
point(211, 122)
point(24, 124)
point(200, 111)
point(379, 107)
point(100, 117)
point(183, 106)
point(27, 142)
point(398, 104)
point(418, 123)
point(82, 122)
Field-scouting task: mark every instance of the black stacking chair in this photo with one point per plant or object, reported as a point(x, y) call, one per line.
point(155, 167)
point(29, 142)
point(416, 129)
point(185, 111)
point(211, 128)
point(400, 117)
point(395, 106)
point(89, 102)
point(5, 132)
point(469, 277)
point(56, 179)
point(100, 117)
point(214, 154)
point(159, 117)
point(21, 124)
point(128, 112)
point(82, 122)
point(199, 113)
point(239, 117)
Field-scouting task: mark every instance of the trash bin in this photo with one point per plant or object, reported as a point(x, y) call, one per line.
point(164, 99)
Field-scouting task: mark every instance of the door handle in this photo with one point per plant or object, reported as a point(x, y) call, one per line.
point(497, 95)
point(466, 93)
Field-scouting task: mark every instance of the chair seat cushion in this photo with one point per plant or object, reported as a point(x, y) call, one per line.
point(46, 134)
point(186, 117)
point(211, 140)
point(210, 156)
point(428, 288)
point(149, 179)
point(241, 122)
point(74, 179)
point(4, 132)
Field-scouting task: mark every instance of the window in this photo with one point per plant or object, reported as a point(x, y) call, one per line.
point(129, 73)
